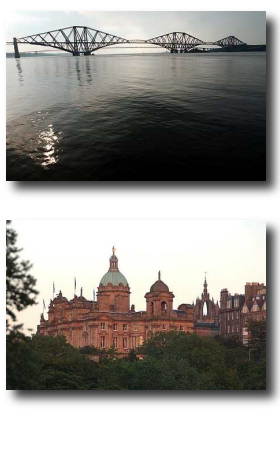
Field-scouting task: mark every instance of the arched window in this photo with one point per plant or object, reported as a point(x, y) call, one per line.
point(163, 307)
point(205, 309)
point(152, 308)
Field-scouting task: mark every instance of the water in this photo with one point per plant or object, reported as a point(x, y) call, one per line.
point(137, 117)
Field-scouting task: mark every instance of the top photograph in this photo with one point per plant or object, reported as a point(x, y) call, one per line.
point(136, 96)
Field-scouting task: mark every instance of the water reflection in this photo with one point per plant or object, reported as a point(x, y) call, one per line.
point(19, 70)
point(88, 69)
point(48, 141)
point(78, 70)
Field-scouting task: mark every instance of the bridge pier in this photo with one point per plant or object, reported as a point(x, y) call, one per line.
point(87, 52)
point(76, 54)
point(17, 55)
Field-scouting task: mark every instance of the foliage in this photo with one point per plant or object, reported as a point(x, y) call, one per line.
point(20, 285)
point(257, 338)
point(168, 361)
point(47, 362)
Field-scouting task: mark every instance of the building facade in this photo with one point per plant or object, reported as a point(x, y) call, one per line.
point(236, 310)
point(111, 320)
point(254, 307)
point(206, 314)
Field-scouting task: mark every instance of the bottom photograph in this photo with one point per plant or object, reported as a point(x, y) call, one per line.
point(136, 305)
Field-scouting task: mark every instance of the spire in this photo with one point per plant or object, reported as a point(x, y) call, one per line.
point(205, 285)
point(159, 275)
point(113, 261)
point(205, 293)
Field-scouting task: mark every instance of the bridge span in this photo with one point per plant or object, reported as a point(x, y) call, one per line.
point(84, 40)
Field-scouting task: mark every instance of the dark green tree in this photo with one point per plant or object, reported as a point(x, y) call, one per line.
point(20, 285)
point(257, 338)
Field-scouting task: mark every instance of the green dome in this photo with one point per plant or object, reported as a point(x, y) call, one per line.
point(115, 277)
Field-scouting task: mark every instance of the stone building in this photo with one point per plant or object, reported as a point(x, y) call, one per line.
point(206, 314)
point(111, 320)
point(254, 307)
point(230, 314)
point(236, 310)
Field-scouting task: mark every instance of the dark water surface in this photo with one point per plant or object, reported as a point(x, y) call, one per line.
point(137, 117)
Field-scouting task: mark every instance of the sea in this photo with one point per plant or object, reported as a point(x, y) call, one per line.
point(137, 117)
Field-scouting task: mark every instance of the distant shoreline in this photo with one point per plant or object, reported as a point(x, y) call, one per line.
point(254, 49)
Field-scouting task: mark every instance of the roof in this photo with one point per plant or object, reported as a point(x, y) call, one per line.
point(113, 277)
point(158, 287)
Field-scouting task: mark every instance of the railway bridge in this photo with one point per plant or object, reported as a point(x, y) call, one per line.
point(85, 40)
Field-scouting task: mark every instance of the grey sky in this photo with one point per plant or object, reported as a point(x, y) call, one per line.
point(249, 26)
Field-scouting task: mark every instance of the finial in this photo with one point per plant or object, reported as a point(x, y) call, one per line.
point(114, 250)
point(81, 291)
point(159, 275)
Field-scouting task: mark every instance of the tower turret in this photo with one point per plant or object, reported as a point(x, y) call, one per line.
point(113, 291)
point(159, 299)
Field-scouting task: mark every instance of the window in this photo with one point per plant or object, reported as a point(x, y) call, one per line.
point(237, 328)
point(236, 302)
point(232, 315)
point(102, 343)
point(163, 326)
point(115, 342)
point(135, 327)
point(125, 326)
point(228, 329)
point(229, 304)
point(163, 307)
point(233, 328)
point(181, 328)
point(102, 325)
point(228, 316)
point(237, 315)
point(115, 327)
point(125, 342)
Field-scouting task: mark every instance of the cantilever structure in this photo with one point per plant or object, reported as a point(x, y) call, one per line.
point(84, 40)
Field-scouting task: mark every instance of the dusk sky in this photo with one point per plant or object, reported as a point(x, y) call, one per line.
point(231, 252)
point(249, 26)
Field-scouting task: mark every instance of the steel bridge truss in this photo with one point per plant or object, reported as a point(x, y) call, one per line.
point(84, 40)
point(77, 40)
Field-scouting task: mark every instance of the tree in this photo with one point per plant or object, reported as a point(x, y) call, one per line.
point(20, 285)
point(257, 338)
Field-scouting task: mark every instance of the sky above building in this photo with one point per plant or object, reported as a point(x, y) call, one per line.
point(231, 252)
point(248, 26)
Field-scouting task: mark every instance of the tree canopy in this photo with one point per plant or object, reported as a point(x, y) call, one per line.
point(20, 285)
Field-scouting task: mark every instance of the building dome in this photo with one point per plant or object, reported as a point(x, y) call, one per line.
point(159, 286)
point(115, 277)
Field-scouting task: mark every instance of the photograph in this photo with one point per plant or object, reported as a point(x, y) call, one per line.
point(136, 305)
point(136, 96)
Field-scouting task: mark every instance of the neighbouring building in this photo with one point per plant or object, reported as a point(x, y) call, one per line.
point(236, 310)
point(254, 307)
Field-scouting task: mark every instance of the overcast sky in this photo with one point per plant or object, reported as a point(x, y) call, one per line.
point(249, 26)
point(232, 253)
